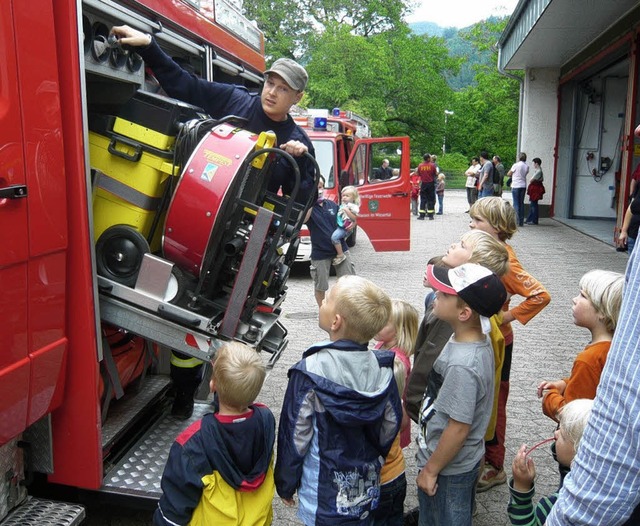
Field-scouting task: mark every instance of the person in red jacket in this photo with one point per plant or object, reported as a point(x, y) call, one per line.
point(428, 173)
point(535, 191)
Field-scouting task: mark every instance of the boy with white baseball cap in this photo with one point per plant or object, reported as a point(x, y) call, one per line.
point(458, 399)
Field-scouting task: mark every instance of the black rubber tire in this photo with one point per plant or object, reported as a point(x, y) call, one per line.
point(119, 253)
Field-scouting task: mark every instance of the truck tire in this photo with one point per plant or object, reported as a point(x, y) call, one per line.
point(351, 240)
point(119, 253)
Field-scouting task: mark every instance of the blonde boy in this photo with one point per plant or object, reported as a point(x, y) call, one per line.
point(219, 469)
point(497, 217)
point(474, 247)
point(341, 411)
point(596, 308)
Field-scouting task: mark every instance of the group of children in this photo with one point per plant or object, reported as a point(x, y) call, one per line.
point(346, 412)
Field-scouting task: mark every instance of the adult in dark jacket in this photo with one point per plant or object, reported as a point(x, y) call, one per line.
point(321, 222)
point(284, 86)
point(268, 111)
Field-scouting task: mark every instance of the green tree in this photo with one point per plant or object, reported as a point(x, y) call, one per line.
point(486, 113)
point(395, 79)
point(289, 26)
point(284, 28)
point(362, 57)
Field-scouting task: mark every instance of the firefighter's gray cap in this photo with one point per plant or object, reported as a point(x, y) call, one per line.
point(292, 73)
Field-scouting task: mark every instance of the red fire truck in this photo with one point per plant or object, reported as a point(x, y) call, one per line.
point(347, 155)
point(128, 221)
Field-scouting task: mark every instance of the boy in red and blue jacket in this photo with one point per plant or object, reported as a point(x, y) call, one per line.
point(220, 469)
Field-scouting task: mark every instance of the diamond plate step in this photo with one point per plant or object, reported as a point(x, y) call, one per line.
point(38, 512)
point(139, 472)
point(121, 413)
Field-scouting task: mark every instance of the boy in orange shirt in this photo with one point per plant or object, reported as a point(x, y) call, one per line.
point(596, 308)
point(498, 218)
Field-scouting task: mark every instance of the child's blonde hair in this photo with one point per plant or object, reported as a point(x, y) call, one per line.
point(498, 213)
point(603, 288)
point(354, 193)
point(238, 373)
point(573, 420)
point(487, 251)
point(364, 307)
point(405, 320)
point(442, 176)
point(399, 374)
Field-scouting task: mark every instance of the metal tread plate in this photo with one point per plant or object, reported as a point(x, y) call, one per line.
point(39, 512)
point(140, 470)
point(121, 412)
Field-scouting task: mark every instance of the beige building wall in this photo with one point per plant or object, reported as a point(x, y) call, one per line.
point(539, 121)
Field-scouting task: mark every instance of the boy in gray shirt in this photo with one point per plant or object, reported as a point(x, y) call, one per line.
point(458, 399)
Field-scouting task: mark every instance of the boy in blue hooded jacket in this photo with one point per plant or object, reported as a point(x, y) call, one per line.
point(341, 412)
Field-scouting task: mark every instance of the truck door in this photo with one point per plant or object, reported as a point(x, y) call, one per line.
point(385, 195)
point(33, 234)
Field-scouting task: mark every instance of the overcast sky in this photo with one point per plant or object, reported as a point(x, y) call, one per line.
point(459, 13)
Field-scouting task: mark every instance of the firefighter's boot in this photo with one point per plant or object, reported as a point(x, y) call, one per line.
point(186, 374)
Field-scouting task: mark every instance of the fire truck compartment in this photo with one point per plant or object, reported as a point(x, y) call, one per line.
point(129, 183)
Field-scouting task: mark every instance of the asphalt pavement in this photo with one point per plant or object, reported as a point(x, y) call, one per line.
point(544, 349)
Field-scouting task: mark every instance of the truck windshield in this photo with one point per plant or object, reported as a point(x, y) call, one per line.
point(325, 156)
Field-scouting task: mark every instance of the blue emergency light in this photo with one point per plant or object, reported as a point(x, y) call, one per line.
point(320, 123)
point(335, 112)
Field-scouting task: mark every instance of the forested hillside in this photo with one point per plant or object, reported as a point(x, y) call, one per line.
point(363, 57)
point(459, 45)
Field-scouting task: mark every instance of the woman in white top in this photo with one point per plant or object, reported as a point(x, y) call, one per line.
point(472, 181)
point(518, 175)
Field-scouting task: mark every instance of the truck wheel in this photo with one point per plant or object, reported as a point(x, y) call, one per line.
point(119, 253)
point(351, 240)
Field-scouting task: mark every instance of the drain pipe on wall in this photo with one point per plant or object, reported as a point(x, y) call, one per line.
point(502, 71)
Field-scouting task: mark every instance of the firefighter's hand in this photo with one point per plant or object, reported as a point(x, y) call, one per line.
point(129, 36)
point(289, 502)
point(295, 148)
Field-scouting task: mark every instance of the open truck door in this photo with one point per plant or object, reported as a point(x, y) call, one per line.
point(384, 202)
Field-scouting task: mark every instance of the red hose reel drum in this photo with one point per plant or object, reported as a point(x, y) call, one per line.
point(208, 183)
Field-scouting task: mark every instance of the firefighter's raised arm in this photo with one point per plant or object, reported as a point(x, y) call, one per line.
point(128, 36)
